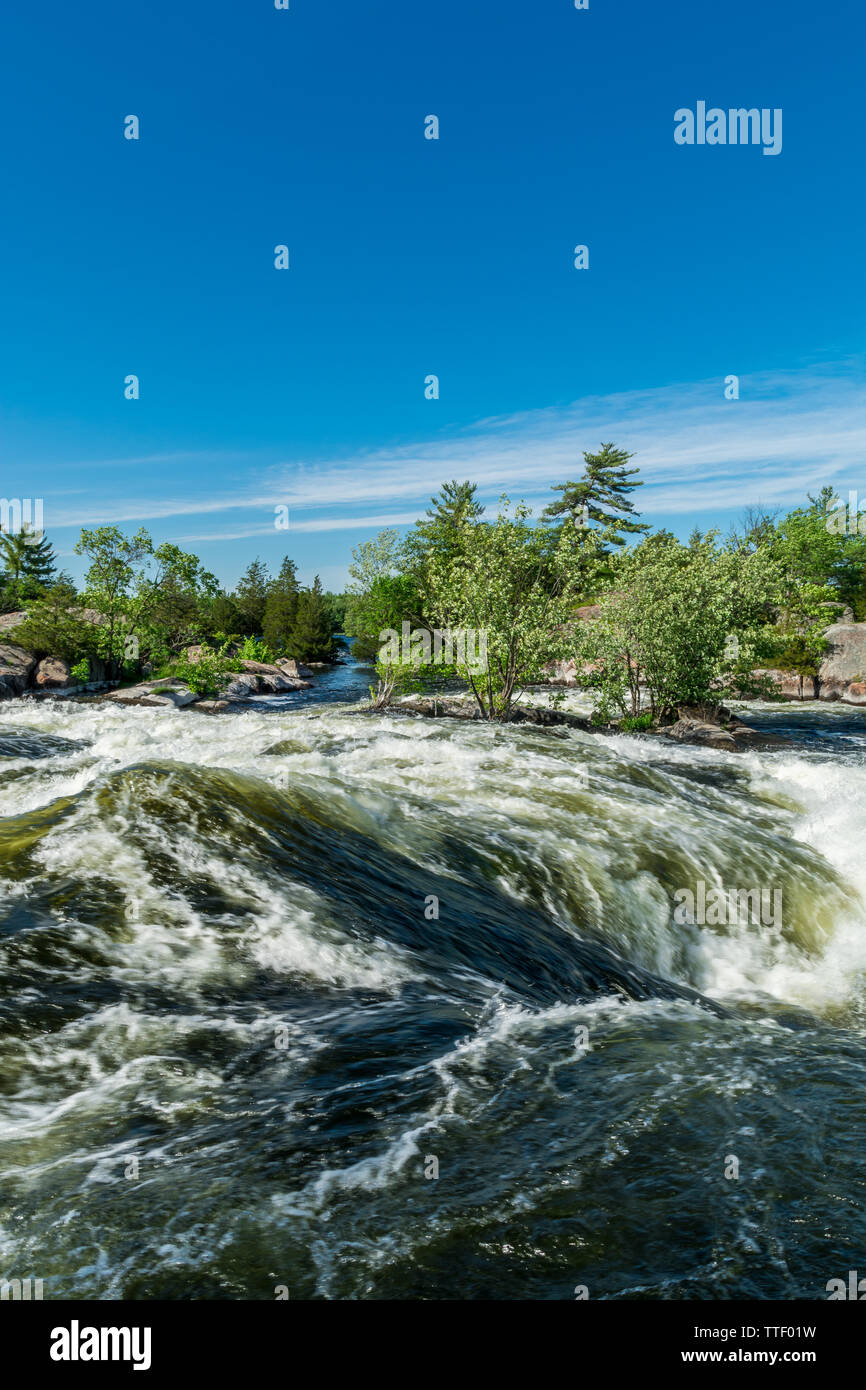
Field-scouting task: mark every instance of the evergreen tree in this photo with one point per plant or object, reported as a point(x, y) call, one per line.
point(601, 497)
point(250, 596)
point(220, 617)
point(14, 546)
point(443, 535)
point(311, 638)
point(40, 561)
point(281, 607)
point(454, 504)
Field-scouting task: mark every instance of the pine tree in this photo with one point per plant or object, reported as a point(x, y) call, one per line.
point(40, 561)
point(311, 638)
point(250, 596)
point(281, 607)
point(13, 552)
point(442, 535)
point(28, 563)
point(455, 504)
point(601, 497)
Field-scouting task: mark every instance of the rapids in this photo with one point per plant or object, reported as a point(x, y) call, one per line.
point(238, 1042)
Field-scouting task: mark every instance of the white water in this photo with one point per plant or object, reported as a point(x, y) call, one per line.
point(412, 781)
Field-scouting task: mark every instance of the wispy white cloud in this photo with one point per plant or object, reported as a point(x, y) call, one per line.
point(789, 433)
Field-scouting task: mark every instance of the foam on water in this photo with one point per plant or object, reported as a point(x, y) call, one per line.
point(169, 906)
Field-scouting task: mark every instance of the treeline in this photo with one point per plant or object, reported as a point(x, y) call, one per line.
point(671, 623)
point(141, 606)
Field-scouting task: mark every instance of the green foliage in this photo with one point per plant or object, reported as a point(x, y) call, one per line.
point(636, 723)
point(26, 554)
point(683, 623)
point(54, 627)
point(311, 638)
point(337, 607)
point(402, 678)
point(255, 649)
point(281, 607)
point(821, 563)
point(390, 601)
point(514, 586)
point(165, 612)
point(251, 597)
point(80, 672)
point(117, 564)
point(220, 616)
point(27, 568)
point(17, 594)
point(678, 621)
point(207, 676)
point(601, 498)
point(371, 560)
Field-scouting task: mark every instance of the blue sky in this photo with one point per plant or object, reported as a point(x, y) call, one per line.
point(410, 257)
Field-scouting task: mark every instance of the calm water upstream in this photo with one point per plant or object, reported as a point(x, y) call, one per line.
point(233, 1042)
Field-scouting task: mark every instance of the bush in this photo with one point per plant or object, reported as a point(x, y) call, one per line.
point(636, 723)
point(207, 676)
point(256, 649)
point(53, 628)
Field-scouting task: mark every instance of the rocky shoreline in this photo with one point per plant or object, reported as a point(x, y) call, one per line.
point(707, 726)
point(841, 675)
point(22, 675)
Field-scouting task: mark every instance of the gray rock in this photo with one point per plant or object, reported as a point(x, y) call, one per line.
point(700, 731)
point(271, 679)
point(294, 670)
point(789, 685)
point(845, 663)
point(53, 674)
point(178, 697)
point(11, 620)
point(16, 665)
point(240, 687)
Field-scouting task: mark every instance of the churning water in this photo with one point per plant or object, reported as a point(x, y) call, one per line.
point(234, 1043)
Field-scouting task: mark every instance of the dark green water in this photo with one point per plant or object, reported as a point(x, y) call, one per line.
point(233, 1042)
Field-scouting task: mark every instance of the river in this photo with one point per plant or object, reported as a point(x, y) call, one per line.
point(243, 1057)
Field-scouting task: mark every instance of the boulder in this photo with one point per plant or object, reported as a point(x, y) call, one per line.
point(16, 664)
point(179, 697)
point(240, 687)
point(291, 668)
point(789, 685)
point(53, 674)
point(845, 663)
point(151, 694)
point(11, 620)
point(271, 678)
point(856, 693)
point(689, 729)
point(259, 678)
